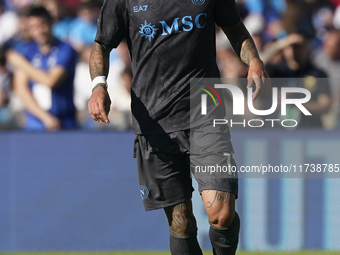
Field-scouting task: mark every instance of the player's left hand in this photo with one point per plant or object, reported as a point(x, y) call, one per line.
point(257, 75)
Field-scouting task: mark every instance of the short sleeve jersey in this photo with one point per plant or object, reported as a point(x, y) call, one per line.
point(58, 101)
point(170, 42)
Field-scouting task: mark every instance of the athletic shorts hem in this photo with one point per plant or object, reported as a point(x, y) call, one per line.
point(219, 188)
point(151, 207)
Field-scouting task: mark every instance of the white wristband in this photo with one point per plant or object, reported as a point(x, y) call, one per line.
point(99, 80)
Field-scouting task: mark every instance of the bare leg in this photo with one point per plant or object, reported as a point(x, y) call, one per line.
point(224, 221)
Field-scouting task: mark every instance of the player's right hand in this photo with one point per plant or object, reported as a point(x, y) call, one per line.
point(99, 105)
point(51, 123)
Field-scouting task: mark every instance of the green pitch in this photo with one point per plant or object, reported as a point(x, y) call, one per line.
point(167, 253)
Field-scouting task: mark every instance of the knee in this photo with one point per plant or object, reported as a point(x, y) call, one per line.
point(220, 207)
point(182, 222)
point(222, 218)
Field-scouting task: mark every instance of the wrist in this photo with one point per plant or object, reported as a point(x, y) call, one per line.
point(99, 81)
point(102, 85)
point(44, 116)
point(256, 62)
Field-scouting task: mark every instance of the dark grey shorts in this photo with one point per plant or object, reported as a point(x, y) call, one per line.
point(166, 163)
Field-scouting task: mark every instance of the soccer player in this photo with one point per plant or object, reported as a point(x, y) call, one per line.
point(44, 74)
point(171, 42)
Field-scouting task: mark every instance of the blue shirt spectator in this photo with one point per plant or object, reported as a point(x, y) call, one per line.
point(58, 101)
point(270, 9)
point(82, 32)
point(44, 74)
point(83, 28)
point(61, 29)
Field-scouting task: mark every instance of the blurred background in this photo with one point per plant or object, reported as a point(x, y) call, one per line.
point(77, 190)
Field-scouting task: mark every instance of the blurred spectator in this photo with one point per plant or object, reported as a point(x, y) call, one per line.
point(297, 64)
point(61, 21)
point(297, 18)
point(229, 64)
point(82, 89)
point(8, 24)
point(44, 73)
point(120, 112)
point(242, 8)
point(335, 2)
point(22, 34)
point(19, 4)
point(84, 27)
point(328, 59)
point(323, 20)
point(336, 18)
point(270, 11)
point(269, 22)
point(273, 53)
point(119, 81)
point(73, 4)
point(5, 80)
point(256, 26)
point(5, 88)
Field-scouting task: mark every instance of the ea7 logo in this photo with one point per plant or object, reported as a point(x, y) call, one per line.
point(238, 100)
point(142, 8)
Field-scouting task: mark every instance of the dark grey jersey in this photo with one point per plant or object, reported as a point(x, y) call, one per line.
point(170, 42)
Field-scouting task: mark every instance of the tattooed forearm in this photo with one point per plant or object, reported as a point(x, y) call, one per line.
point(248, 51)
point(219, 196)
point(242, 42)
point(99, 60)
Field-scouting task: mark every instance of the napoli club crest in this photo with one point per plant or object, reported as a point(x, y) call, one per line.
point(198, 2)
point(144, 192)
